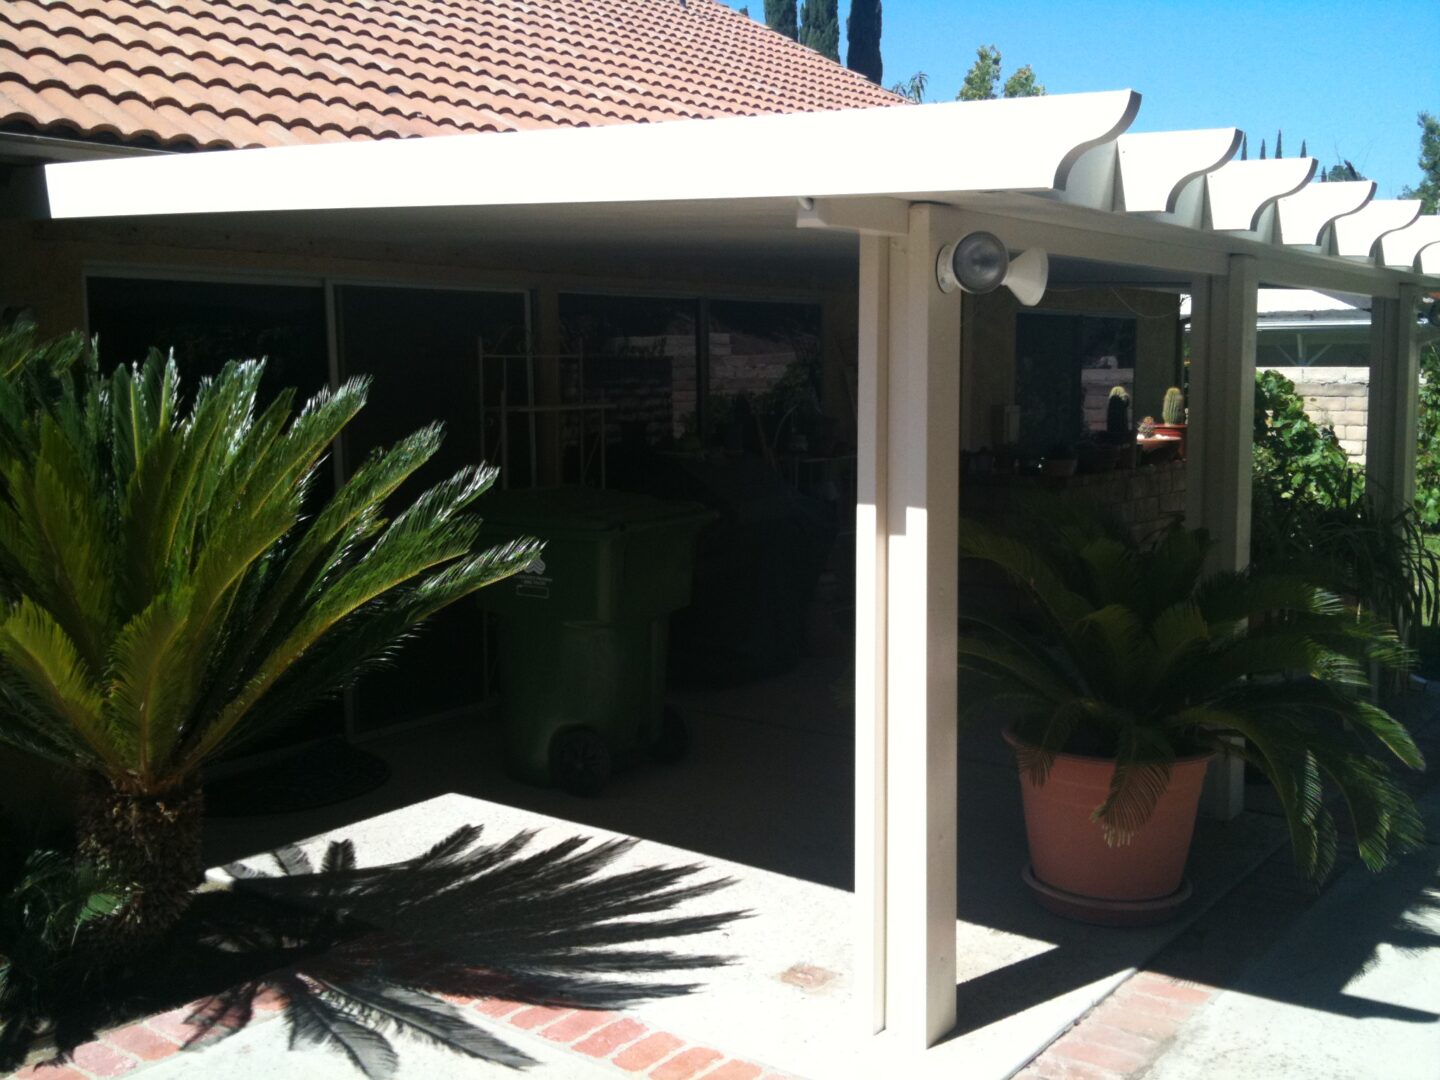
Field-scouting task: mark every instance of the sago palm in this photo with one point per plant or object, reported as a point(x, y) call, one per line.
point(162, 596)
point(1137, 653)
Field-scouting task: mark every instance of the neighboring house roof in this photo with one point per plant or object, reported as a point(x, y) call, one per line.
point(239, 73)
point(1283, 308)
point(1312, 305)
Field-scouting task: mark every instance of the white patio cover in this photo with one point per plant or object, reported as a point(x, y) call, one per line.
point(1008, 156)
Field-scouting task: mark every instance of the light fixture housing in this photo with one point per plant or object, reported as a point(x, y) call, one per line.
point(976, 263)
point(980, 263)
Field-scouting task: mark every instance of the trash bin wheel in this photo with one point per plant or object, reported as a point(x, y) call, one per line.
point(579, 762)
point(674, 740)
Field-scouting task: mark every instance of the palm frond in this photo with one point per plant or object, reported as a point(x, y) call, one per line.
point(317, 1021)
point(1147, 657)
point(161, 597)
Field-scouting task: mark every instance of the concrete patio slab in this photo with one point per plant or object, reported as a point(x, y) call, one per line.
point(1351, 989)
point(788, 1000)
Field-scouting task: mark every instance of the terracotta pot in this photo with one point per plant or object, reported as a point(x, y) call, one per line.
point(1075, 873)
point(1177, 431)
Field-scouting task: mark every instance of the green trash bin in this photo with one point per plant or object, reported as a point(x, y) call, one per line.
point(582, 635)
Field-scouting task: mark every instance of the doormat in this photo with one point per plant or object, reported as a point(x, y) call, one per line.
point(321, 774)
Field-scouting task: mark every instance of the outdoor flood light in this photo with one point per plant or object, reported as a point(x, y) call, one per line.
point(980, 263)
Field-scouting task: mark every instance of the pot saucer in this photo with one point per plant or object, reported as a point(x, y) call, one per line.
point(1102, 912)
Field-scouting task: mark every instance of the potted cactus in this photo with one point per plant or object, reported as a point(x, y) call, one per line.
point(1119, 432)
point(1172, 417)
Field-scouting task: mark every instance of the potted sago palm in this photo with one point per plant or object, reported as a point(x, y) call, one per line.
point(163, 598)
point(1127, 667)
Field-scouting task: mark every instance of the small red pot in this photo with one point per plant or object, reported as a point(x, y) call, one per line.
point(1175, 431)
point(1075, 873)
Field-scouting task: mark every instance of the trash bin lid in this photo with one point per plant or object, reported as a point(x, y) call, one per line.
point(580, 509)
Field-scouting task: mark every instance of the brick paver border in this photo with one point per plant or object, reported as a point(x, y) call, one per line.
point(625, 1043)
point(1124, 1033)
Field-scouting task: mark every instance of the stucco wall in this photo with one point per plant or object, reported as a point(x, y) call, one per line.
point(1338, 397)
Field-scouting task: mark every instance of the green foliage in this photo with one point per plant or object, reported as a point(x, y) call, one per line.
point(862, 33)
point(1021, 83)
point(1172, 409)
point(780, 16)
point(48, 900)
point(162, 597)
point(1295, 458)
point(1311, 514)
point(1428, 190)
point(820, 27)
point(1427, 451)
point(983, 76)
point(1134, 652)
point(913, 87)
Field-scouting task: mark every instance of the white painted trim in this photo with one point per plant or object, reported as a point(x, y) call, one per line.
point(874, 216)
point(876, 151)
point(1354, 236)
point(1401, 248)
point(1238, 192)
point(1303, 217)
point(1155, 167)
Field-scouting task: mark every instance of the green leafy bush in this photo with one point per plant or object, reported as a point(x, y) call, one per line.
point(1294, 456)
point(1312, 516)
point(1427, 454)
point(48, 901)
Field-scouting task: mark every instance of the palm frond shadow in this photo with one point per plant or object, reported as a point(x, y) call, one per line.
point(358, 956)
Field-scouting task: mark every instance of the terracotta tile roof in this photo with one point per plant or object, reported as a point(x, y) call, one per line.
point(232, 73)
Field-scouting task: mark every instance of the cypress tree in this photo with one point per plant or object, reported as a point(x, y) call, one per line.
point(820, 27)
point(1262, 149)
point(1279, 153)
point(862, 29)
point(780, 16)
point(1244, 147)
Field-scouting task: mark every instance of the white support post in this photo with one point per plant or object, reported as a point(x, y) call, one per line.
point(1394, 400)
point(1220, 447)
point(871, 554)
point(917, 496)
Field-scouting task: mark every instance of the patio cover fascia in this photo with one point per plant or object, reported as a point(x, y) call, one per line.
point(1063, 160)
point(1061, 173)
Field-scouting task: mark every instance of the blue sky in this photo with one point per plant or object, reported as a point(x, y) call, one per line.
point(1348, 78)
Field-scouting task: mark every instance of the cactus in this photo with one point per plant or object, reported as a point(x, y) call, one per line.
point(1117, 412)
point(1173, 410)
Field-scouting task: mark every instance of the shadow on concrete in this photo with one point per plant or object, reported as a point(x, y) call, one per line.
point(769, 784)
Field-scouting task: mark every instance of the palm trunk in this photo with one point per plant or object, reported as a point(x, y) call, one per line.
point(152, 843)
